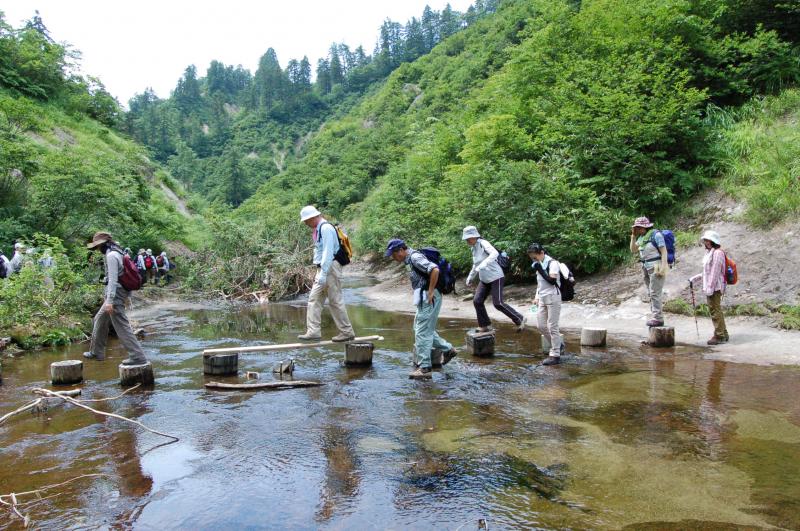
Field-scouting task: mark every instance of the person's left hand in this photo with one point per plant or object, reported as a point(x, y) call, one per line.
point(322, 281)
point(430, 297)
point(108, 308)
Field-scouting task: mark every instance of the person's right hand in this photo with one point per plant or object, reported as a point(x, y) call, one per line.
point(536, 301)
point(108, 308)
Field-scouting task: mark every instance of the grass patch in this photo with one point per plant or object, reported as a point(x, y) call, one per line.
point(785, 316)
point(759, 155)
point(685, 239)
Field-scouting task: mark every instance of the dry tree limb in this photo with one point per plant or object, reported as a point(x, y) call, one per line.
point(36, 403)
point(12, 504)
point(125, 392)
point(103, 413)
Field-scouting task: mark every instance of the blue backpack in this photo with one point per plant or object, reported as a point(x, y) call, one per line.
point(447, 280)
point(669, 241)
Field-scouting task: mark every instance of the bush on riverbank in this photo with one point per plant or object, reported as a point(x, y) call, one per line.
point(47, 304)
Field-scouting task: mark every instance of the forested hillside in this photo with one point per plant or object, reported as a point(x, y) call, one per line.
point(553, 121)
point(64, 174)
point(225, 133)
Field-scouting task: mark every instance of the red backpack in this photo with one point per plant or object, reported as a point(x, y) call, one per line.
point(148, 261)
point(129, 278)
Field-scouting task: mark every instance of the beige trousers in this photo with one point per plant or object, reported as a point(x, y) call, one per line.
point(316, 299)
point(548, 316)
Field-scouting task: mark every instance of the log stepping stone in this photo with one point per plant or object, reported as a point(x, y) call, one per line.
point(480, 343)
point(133, 374)
point(593, 337)
point(66, 372)
point(358, 354)
point(661, 336)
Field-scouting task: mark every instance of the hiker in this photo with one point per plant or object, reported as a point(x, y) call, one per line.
point(652, 249)
point(5, 266)
point(113, 310)
point(547, 300)
point(328, 279)
point(428, 304)
point(151, 267)
point(491, 279)
point(140, 264)
point(16, 260)
point(714, 283)
point(127, 252)
point(162, 262)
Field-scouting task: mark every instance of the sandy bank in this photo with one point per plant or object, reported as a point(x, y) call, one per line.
point(753, 340)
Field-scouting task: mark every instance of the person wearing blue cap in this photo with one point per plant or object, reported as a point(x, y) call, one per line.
point(428, 304)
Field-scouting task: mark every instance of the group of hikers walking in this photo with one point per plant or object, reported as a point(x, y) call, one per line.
point(431, 278)
point(152, 268)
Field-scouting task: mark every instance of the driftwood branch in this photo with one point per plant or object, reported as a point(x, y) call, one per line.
point(263, 385)
point(36, 403)
point(103, 413)
point(11, 500)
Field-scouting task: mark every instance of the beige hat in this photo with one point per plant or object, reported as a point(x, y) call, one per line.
point(99, 239)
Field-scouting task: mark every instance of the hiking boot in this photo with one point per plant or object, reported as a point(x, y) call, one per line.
point(90, 356)
point(133, 361)
point(485, 329)
point(715, 340)
point(309, 337)
point(423, 373)
point(449, 355)
point(521, 325)
point(342, 338)
point(655, 322)
point(552, 360)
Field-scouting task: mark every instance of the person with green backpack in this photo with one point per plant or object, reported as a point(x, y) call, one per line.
point(651, 246)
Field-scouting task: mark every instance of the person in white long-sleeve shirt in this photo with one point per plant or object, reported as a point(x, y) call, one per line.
point(327, 281)
point(113, 310)
point(491, 279)
point(16, 260)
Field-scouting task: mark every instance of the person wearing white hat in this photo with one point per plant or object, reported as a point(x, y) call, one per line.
point(327, 281)
point(150, 266)
point(491, 279)
point(16, 260)
point(714, 283)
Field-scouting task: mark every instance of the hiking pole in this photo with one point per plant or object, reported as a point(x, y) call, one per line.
point(694, 310)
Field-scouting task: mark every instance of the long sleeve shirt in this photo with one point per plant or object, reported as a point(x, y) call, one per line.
point(140, 262)
point(113, 260)
point(713, 274)
point(16, 262)
point(484, 262)
point(545, 286)
point(326, 245)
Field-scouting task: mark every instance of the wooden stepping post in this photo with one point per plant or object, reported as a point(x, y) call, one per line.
point(221, 364)
point(480, 343)
point(662, 336)
point(133, 374)
point(593, 337)
point(358, 354)
point(66, 372)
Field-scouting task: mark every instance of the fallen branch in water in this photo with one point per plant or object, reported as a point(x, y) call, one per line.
point(103, 413)
point(263, 385)
point(36, 403)
point(11, 500)
point(125, 392)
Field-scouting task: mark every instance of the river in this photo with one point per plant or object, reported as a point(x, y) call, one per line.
point(624, 436)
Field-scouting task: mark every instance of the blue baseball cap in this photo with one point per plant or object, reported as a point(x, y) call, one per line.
point(393, 245)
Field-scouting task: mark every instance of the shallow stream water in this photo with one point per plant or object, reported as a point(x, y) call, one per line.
point(616, 437)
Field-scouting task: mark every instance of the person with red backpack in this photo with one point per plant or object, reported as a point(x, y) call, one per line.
point(715, 279)
point(151, 267)
point(121, 278)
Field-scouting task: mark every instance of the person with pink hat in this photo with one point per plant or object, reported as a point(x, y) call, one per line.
point(652, 249)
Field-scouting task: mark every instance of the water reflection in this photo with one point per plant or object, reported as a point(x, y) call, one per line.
point(613, 438)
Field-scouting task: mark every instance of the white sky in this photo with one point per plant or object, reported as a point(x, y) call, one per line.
point(132, 45)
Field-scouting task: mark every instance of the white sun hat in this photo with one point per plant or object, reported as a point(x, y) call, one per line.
point(712, 236)
point(470, 231)
point(309, 212)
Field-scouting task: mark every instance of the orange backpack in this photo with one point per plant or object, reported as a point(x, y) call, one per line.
point(731, 273)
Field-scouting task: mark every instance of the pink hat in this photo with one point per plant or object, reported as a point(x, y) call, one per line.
point(643, 222)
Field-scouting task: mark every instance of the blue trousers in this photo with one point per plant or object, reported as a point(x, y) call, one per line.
point(425, 336)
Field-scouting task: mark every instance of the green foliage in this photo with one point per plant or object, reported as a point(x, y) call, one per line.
point(790, 317)
point(758, 153)
point(44, 305)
